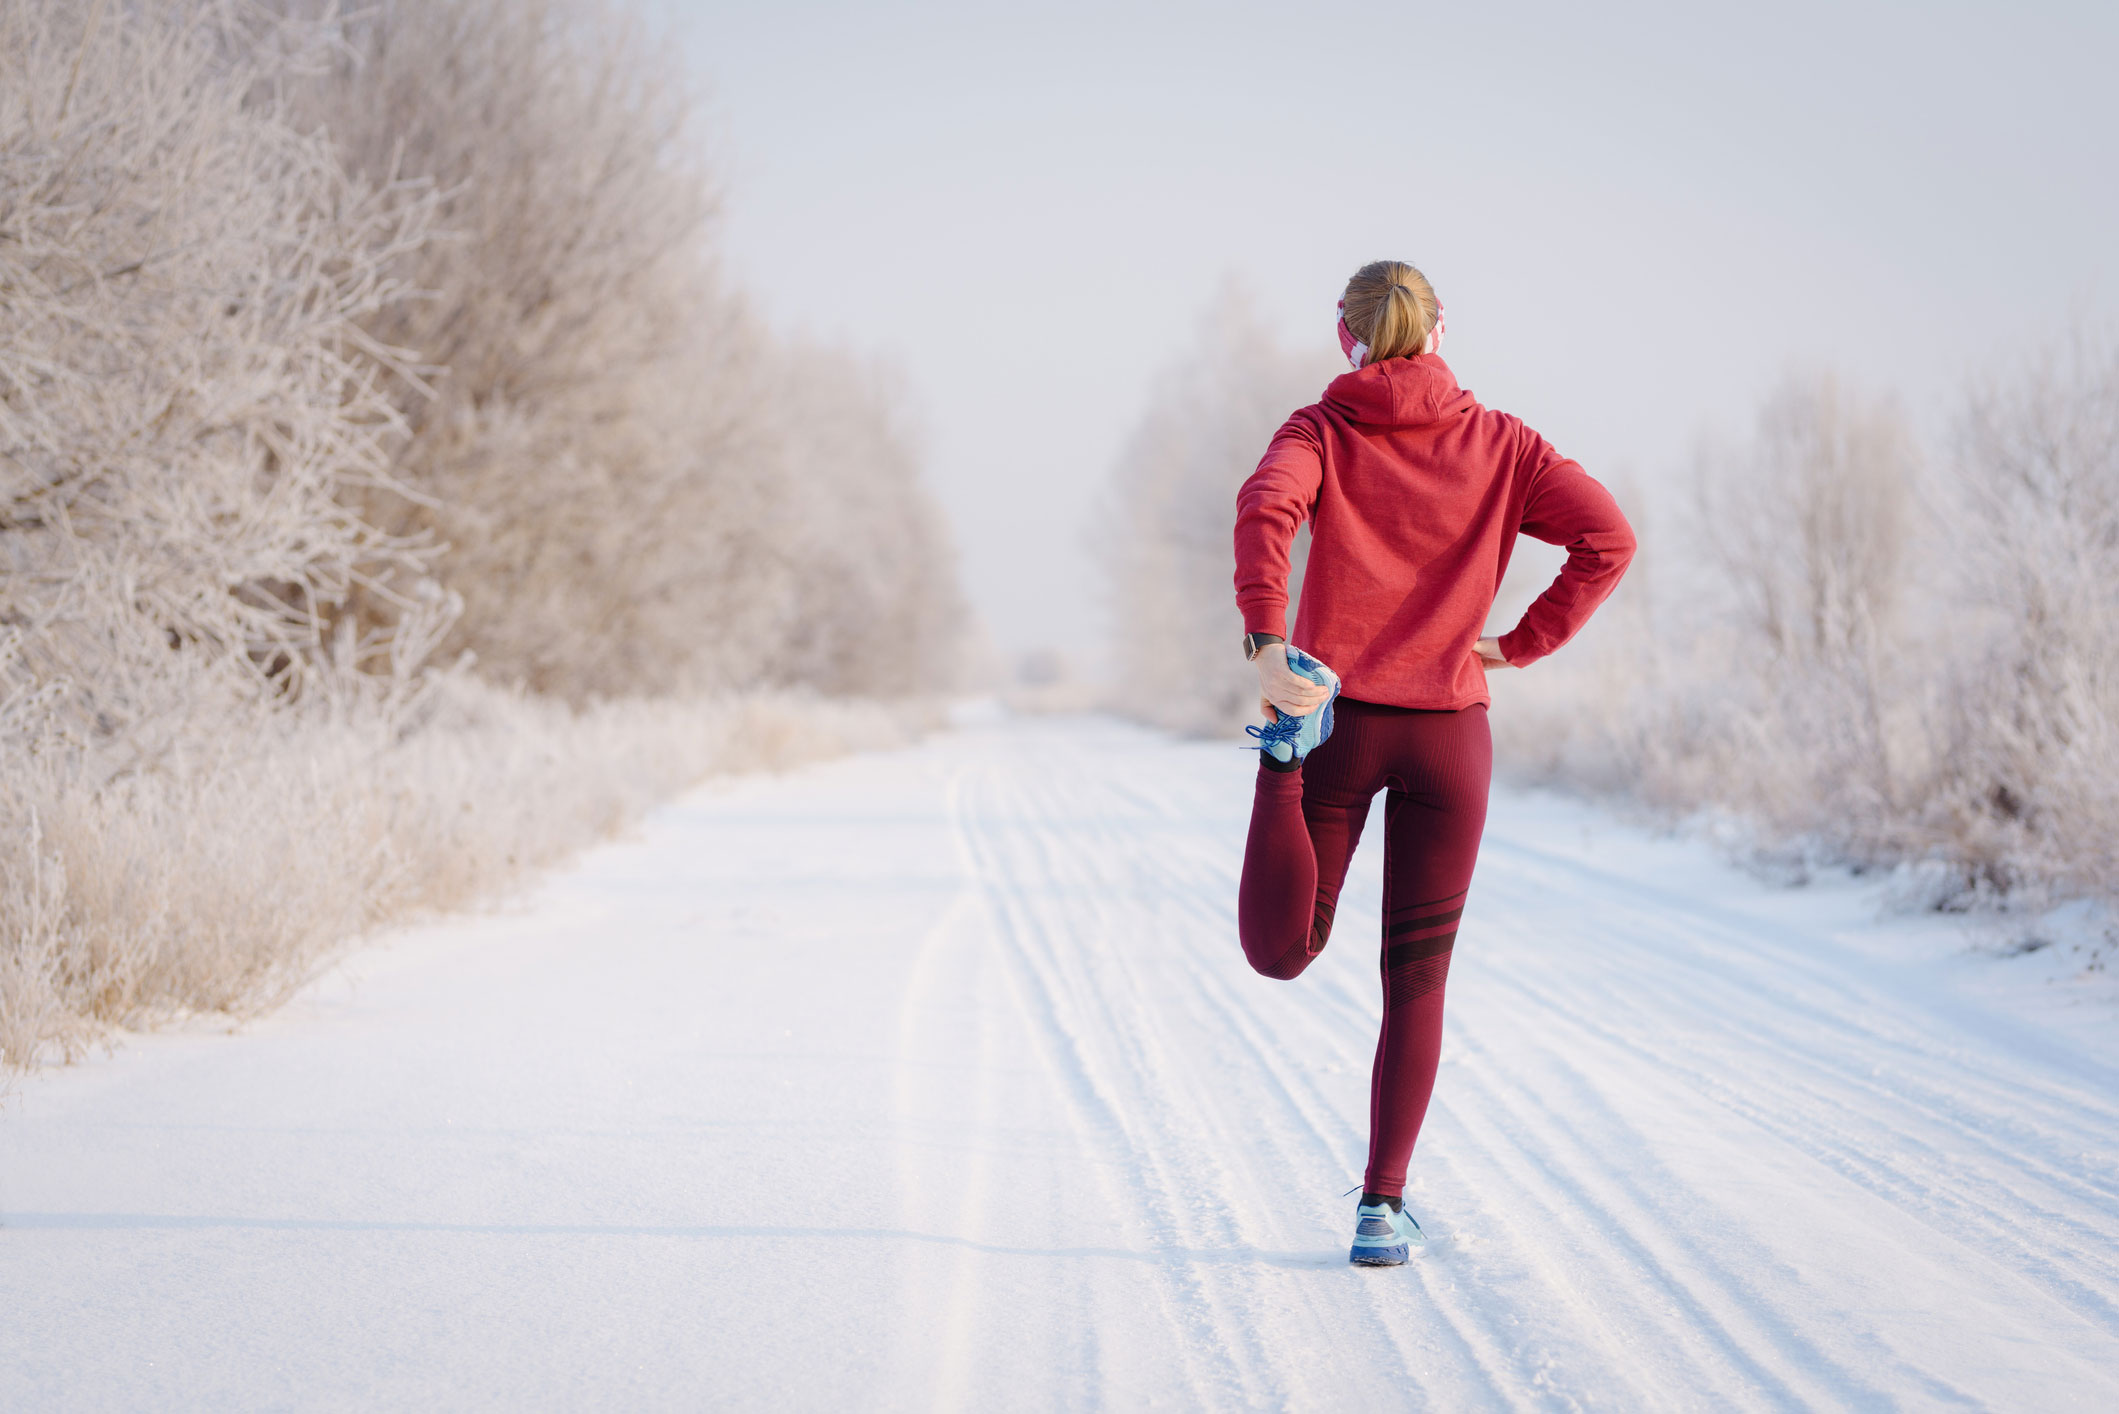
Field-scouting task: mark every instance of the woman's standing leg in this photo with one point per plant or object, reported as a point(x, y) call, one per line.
point(1441, 770)
point(1304, 826)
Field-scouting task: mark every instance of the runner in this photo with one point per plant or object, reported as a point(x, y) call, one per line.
point(1415, 495)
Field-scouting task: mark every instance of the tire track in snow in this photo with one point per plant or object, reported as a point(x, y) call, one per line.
point(1099, 1115)
point(1985, 1159)
point(1959, 1196)
point(1583, 1172)
point(1668, 930)
point(936, 1322)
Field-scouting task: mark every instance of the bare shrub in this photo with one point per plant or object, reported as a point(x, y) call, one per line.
point(2029, 729)
point(1808, 530)
point(188, 405)
point(1810, 522)
point(1168, 513)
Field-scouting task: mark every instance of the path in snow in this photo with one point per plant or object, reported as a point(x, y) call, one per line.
point(936, 1079)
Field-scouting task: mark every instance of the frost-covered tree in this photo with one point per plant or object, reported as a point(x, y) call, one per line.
point(190, 412)
point(2028, 788)
point(1170, 511)
point(626, 472)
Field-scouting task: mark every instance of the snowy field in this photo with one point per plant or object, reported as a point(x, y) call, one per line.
point(936, 1079)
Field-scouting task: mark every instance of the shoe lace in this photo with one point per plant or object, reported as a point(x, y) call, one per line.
point(1281, 728)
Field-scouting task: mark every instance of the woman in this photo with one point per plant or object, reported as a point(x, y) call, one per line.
point(1415, 495)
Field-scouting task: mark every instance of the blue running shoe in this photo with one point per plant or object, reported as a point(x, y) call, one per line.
point(1287, 738)
point(1384, 1237)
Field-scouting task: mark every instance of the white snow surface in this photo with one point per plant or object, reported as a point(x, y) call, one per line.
point(936, 1079)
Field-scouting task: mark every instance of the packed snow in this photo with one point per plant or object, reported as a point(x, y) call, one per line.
point(935, 1078)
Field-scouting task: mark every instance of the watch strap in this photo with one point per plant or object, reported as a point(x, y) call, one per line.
point(1252, 642)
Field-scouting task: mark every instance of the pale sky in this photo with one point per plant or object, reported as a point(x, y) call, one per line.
point(1639, 217)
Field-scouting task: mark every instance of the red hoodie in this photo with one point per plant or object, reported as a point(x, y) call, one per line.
point(1415, 495)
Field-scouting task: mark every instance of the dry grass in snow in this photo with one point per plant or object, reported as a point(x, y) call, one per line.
point(221, 887)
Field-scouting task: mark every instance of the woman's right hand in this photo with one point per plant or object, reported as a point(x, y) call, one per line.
point(1283, 690)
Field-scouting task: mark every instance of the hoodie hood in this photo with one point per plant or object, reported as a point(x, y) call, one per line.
point(1399, 392)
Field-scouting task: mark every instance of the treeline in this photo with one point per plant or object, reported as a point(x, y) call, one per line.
point(1876, 652)
point(365, 378)
point(1872, 651)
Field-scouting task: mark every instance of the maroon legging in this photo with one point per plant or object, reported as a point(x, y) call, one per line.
point(1304, 826)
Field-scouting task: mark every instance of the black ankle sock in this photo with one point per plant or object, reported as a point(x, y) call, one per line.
point(1273, 763)
point(1370, 1200)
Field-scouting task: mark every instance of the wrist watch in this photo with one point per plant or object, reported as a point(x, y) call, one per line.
point(1252, 642)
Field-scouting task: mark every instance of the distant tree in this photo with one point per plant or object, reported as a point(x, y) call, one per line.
point(1166, 530)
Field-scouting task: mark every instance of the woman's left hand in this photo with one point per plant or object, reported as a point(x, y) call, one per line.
point(1286, 692)
point(1489, 650)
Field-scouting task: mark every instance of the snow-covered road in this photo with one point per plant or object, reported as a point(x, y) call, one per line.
point(936, 1079)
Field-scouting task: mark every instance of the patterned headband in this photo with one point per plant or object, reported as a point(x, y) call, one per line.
point(1356, 351)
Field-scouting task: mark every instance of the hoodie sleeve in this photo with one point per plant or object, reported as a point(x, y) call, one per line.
point(1567, 506)
point(1274, 501)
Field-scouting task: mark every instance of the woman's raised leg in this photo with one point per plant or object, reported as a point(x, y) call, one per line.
point(1304, 826)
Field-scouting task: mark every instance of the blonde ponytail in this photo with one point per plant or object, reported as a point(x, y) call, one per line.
point(1391, 308)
